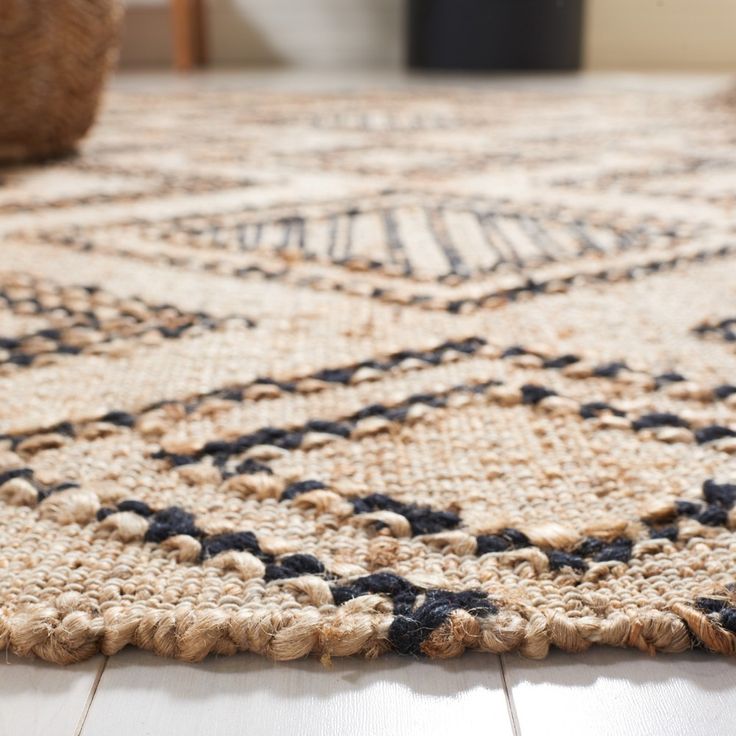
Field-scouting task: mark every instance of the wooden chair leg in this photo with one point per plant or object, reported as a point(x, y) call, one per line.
point(187, 19)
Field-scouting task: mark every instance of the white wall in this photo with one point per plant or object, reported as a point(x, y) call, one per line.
point(322, 33)
point(661, 34)
point(305, 33)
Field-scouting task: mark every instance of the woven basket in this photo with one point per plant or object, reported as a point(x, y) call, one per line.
point(54, 57)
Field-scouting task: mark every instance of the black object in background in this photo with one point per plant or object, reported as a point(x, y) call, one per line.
point(495, 34)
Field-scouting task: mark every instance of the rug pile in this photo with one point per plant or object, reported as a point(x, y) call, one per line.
point(411, 371)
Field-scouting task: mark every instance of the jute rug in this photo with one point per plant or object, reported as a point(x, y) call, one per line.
point(410, 371)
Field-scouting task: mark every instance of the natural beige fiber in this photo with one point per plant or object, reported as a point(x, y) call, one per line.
point(54, 57)
point(412, 371)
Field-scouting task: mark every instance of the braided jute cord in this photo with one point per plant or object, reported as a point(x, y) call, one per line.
point(63, 634)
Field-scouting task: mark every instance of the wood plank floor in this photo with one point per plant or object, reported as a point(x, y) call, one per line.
point(612, 692)
point(248, 695)
point(603, 692)
point(39, 698)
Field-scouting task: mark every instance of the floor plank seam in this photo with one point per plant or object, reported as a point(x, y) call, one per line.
point(516, 730)
point(90, 698)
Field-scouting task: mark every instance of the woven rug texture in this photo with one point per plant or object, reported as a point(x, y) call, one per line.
point(410, 371)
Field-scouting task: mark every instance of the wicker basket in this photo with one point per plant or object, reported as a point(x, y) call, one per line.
point(54, 57)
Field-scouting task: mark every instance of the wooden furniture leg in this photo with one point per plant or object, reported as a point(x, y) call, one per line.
point(187, 18)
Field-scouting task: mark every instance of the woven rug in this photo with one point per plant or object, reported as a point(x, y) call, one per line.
point(411, 371)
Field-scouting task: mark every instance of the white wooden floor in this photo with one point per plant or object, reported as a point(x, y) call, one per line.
point(604, 692)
